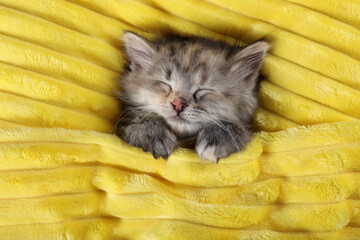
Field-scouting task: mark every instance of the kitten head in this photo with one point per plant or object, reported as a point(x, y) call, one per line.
point(191, 82)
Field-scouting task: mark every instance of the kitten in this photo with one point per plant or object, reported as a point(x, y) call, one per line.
point(189, 90)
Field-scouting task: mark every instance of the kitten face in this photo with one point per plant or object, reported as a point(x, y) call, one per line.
point(192, 82)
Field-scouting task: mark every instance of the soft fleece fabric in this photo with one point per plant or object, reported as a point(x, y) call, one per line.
point(64, 176)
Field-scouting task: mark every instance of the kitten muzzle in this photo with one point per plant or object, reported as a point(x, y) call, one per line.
point(179, 104)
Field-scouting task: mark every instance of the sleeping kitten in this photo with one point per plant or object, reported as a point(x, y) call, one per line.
point(189, 90)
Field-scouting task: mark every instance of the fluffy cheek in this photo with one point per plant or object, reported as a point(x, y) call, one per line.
point(219, 108)
point(141, 97)
point(153, 101)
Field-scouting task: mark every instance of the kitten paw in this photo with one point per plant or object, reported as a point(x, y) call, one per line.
point(213, 143)
point(152, 137)
point(207, 152)
point(162, 145)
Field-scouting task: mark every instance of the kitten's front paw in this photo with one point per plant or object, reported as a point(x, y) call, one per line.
point(207, 152)
point(213, 143)
point(154, 138)
point(162, 145)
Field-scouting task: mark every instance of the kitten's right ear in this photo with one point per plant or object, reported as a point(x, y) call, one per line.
point(139, 51)
point(246, 64)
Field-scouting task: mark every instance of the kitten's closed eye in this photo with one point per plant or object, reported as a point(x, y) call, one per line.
point(164, 86)
point(201, 92)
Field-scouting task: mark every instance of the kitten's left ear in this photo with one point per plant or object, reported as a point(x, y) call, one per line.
point(138, 50)
point(246, 64)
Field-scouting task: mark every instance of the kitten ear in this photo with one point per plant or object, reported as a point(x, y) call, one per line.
point(139, 51)
point(246, 64)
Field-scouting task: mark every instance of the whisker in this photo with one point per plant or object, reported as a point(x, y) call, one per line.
point(219, 124)
point(131, 109)
point(122, 116)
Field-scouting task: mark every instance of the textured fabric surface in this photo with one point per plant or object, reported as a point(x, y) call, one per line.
point(63, 175)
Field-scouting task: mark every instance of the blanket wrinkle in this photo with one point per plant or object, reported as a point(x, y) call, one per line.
point(63, 175)
point(311, 24)
point(345, 11)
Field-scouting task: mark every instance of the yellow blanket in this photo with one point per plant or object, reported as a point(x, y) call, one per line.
point(63, 176)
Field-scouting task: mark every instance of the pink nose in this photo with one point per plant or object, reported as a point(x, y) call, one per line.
point(179, 104)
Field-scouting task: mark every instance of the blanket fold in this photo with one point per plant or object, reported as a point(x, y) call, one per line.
point(271, 185)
